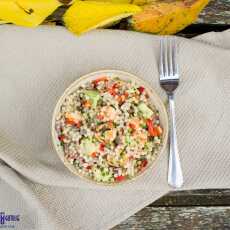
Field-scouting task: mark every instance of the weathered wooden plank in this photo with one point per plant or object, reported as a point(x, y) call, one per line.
point(178, 218)
point(217, 197)
point(216, 12)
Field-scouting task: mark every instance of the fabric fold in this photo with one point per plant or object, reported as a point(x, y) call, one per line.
point(36, 67)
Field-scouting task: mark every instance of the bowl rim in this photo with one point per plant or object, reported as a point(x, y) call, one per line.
point(75, 84)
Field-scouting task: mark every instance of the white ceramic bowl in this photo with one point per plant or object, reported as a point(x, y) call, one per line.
point(154, 98)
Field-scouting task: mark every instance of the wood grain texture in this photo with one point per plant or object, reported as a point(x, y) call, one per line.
point(195, 209)
point(178, 218)
point(204, 197)
point(216, 12)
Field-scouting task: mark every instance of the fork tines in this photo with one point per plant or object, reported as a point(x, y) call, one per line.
point(168, 59)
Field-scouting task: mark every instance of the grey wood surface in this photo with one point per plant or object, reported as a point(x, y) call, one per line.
point(185, 210)
point(216, 12)
point(205, 197)
point(178, 218)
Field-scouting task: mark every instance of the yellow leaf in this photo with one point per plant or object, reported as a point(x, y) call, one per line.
point(167, 17)
point(184, 18)
point(83, 16)
point(28, 13)
point(114, 1)
point(3, 22)
point(67, 2)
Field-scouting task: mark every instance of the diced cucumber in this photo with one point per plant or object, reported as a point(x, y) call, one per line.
point(87, 147)
point(145, 110)
point(93, 96)
point(101, 175)
point(131, 90)
point(127, 139)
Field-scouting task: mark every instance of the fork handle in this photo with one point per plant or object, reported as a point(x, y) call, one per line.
point(175, 177)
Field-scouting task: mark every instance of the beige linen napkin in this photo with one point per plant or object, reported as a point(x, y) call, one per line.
point(38, 64)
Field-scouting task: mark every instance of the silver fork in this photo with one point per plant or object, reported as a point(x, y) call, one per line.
point(169, 80)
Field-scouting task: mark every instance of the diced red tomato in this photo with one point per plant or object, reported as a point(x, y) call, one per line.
point(61, 137)
point(144, 163)
point(69, 121)
point(115, 86)
point(113, 89)
point(102, 146)
point(132, 126)
point(94, 154)
point(120, 178)
point(151, 129)
point(78, 124)
point(121, 98)
point(103, 78)
point(89, 167)
point(112, 92)
point(141, 89)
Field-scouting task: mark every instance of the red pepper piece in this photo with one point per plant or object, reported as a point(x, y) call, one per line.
point(144, 163)
point(121, 98)
point(78, 124)
point(132, 126)
point(61, 137)
point(151, 129)
point(94, 154)
point(102, 146)
point(113, 89)
point(70, 121)
point(126, 94)
point(159, 130)
point(120, 178)
point(103, 78)
point(141, 89)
